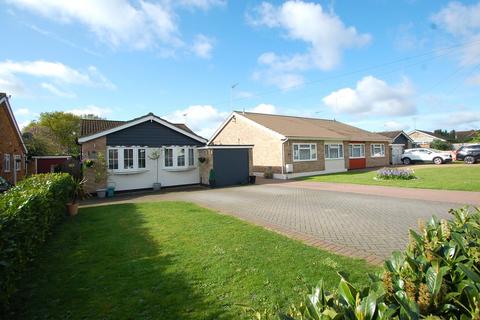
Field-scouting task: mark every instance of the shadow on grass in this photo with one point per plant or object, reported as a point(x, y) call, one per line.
point(103, 264)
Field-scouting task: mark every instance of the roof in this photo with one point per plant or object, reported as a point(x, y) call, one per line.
point(4, 98)
point(430, 134)
point(93, 128)
point(302, 127)
point(394, 134)
point(463, 135)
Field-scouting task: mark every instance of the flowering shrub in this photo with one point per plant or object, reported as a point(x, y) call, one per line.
point(437, 277)
point(28, 212)
point(395, 174)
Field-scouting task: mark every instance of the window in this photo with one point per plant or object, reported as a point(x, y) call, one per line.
point(169, 157)
point(191, 157)
point(377, 150)
point(6, 163)
point(334, 151)
point(141, 158)
point(113, 159)
point(356, 150)
point(17, 162)
point(181, 157)
point(127, 158)
point(304, 152)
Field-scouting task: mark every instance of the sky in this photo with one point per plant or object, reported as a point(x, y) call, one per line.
point(377, 64)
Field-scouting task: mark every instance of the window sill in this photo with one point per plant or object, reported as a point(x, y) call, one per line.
point(334, 158)
point(357, 158)
point(125, 172)
point(304, 160)
point(377, 157)
point(174, 169)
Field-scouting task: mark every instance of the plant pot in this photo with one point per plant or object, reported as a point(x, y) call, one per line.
point(252, 179)
point(157, 186)
point(72, 209)
point(101, 193)
point(211, 183)
point(110, 192)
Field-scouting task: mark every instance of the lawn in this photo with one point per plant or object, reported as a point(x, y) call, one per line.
point(451, 177)
point(170, 260)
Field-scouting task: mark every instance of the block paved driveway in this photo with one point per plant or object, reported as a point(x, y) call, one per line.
point(358, 225)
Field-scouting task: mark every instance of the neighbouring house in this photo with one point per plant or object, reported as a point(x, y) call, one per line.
point(149, 149)
point(46, 164)
point(422, 138)
point(12, 148)
point(465, 136)
point(298, 146)
point(400, 142)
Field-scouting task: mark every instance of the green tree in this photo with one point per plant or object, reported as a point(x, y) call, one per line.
point(441, 145)
point(55, 133)
point(476, 138)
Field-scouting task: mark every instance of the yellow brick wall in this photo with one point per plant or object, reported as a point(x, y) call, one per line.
point(267, 150)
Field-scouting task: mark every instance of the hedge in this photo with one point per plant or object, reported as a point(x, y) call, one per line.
point(28, 213)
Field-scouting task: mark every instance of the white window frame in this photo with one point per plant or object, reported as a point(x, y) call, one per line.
point(128, 158)
point(351, 146)
point(338, 146)
point(191, 157)
point(176, 153)
point(6, 162)
point(114, 160)
point(17, 166)
point(121, 158)
point(144, 158)
point(312, 148)
point(382, 150)
point(165, 157)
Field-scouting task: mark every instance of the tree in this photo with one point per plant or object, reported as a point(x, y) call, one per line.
point(441, 145)
point(476, 138)
point(55, 133)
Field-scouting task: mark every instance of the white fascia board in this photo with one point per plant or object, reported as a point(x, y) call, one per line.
point(220, 146)
point(136, 122)
point(10, 112)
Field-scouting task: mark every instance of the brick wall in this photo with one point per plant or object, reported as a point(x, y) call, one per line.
point(267, 148)
point(305, 166)
point(377, 161)
point(90, 151)
point(10, 144)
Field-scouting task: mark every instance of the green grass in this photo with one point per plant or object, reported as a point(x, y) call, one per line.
point(170, 260)
point(452, 177)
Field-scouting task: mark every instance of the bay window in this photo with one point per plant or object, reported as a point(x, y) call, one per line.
point(304, 152)
point(141, 158)
point(377, 150)
point(356, 151)
point(334, 151)
point(191, 157)
point(168, 157)
point(113, 159)
point(181, 157)
point(128, 158)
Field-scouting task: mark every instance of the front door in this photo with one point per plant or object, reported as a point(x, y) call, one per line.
point(397, 151)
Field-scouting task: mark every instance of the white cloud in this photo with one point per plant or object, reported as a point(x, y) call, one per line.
point(373, 96)
point(395, 125)
point(55, 71)
point(22, 112)
point(324, 33)
point(473, 80)
point(202, 119)
point(56, 91)
point(264, 108)
point(113, 22)
point(23, 124)
point(203, 46)
point(202, 4)
point(462, 21)
point(283, 80)
point(91, 109)
point(460, 120)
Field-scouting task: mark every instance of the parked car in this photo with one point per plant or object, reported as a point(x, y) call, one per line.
point(4, 185)
point(425, 155)
point(469, 154)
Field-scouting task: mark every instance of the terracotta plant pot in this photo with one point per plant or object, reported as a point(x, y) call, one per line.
point(72, 209)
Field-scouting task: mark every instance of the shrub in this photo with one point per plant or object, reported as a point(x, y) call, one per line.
point(268, 174)
point(28, 212)
point(438, 276)
point(441, 145)
point(395, 174)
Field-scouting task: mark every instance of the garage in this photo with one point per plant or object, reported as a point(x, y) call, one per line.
point(230, 164)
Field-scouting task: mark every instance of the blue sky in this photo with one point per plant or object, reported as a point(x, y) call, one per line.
point(377, 64)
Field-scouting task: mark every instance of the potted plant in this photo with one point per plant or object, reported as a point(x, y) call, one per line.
point(78, 193)
point(155, 155)
point(101, 174)
point(211, 178)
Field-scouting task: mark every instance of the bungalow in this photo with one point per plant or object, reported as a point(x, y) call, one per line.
point(400, 142)
point(12, 148)
point(423, 138)
point(149, 150)
point(298, 146)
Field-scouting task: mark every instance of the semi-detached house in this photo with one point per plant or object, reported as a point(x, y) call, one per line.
point(298, 146)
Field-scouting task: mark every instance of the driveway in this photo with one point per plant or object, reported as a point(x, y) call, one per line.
point(353, 224)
